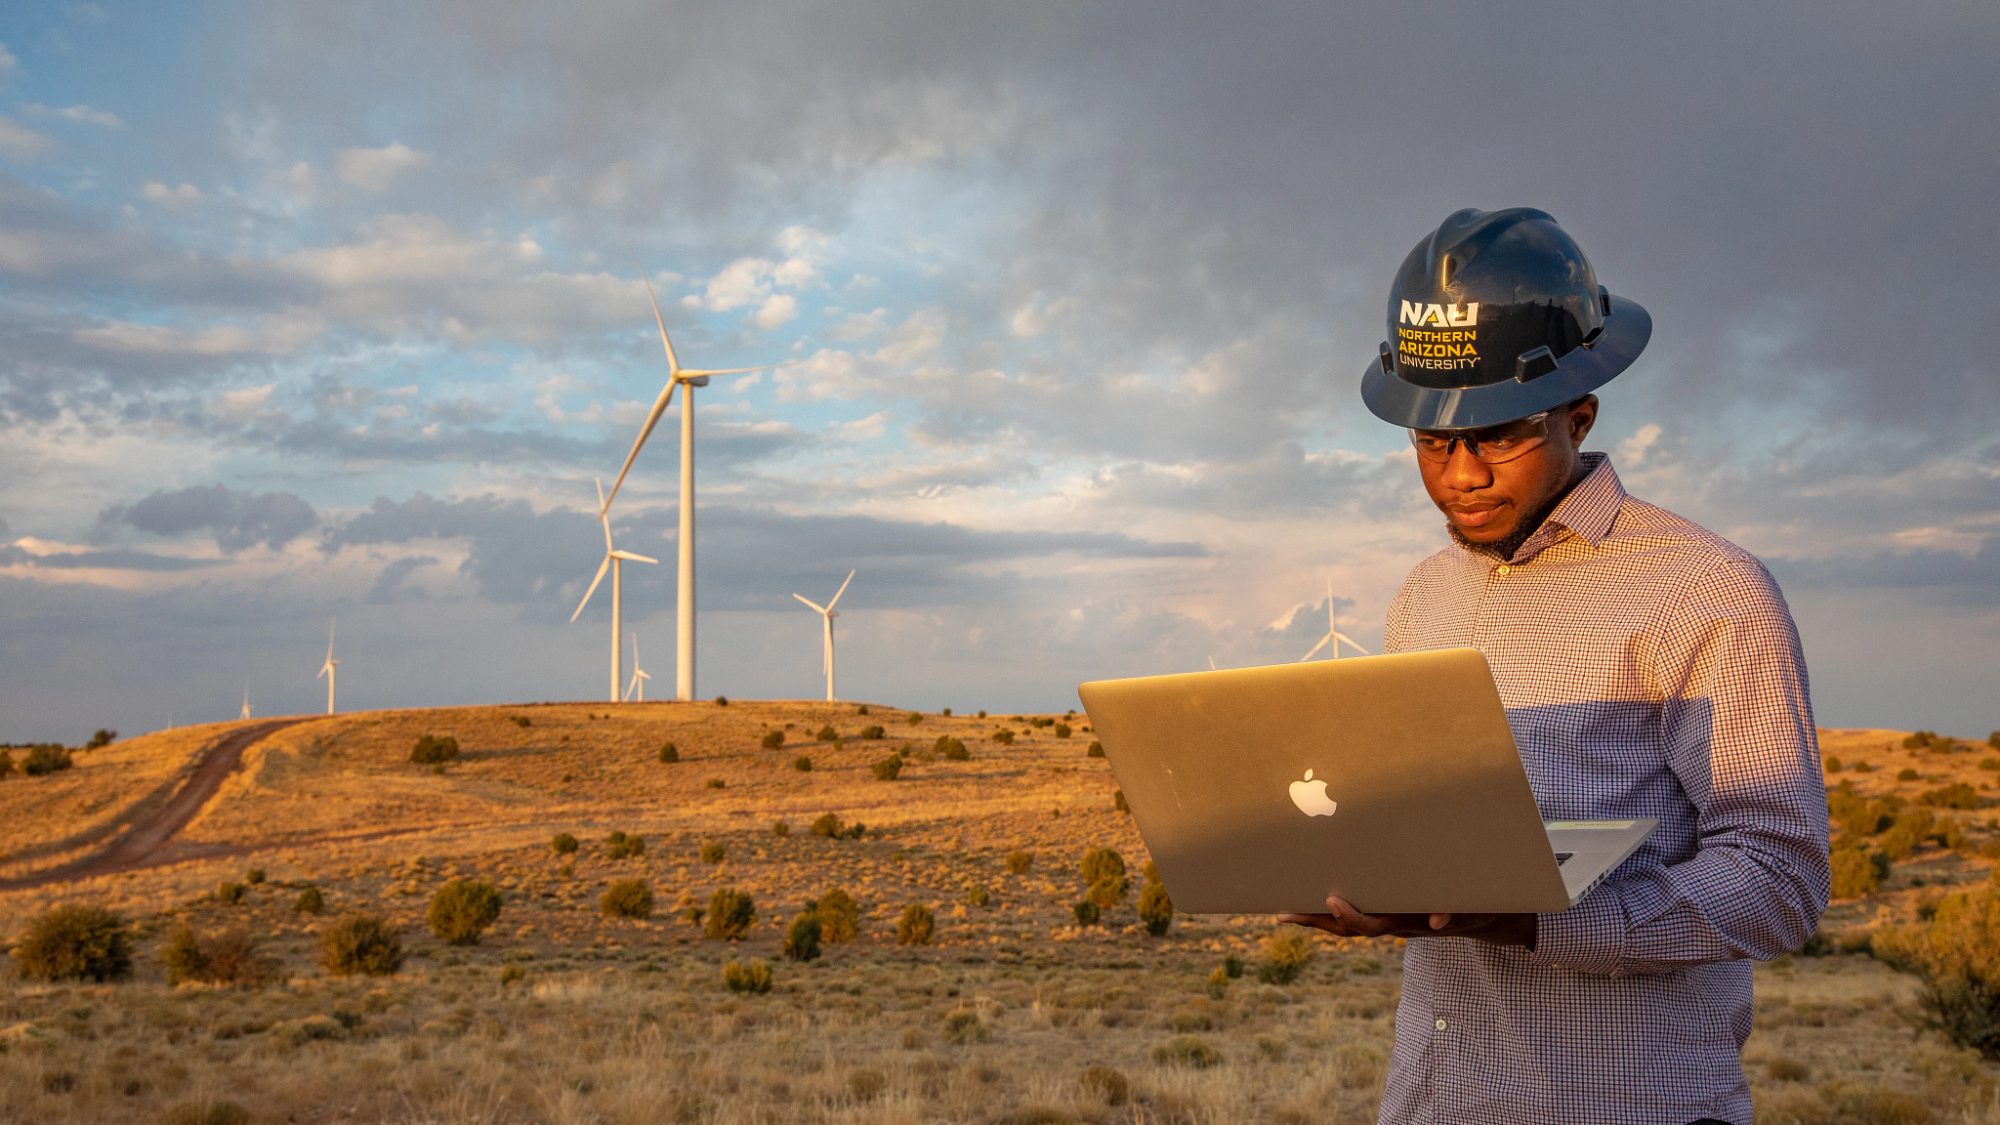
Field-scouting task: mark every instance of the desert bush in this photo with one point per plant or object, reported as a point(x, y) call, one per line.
point(730, 914)
point(978, 895)
point(75, 943)
point(310, 901)
point(1833, 765)
point(360, 943)
point(1004, 737)
point(463, 909)
point(1911, 828)
point(839, 916)
point(872, 731)
point(888, 769)
point(1958, 796)
point(206, 1112)
point(1187, 1050)
point(228, 892)
point(669, 753)
point(626, 898)
point(1062, 730)
point(963, 1025)
point(1101, 863)
point(101, 738)
point(781, 829)
point(1087, 912)
point(722, 701)
point(1286, 954)
point(46, 759)
point(914, 717)
point(522, 720)
point(6, 762)
point(228, 958)
point(714, 851)
point(752, 976)
point(1232, 967)
point(916, 926)
point(1864, 767)
point(1989, 763)
point(774, 739)
point(1096, 749)
point(830, 826)
point(1957, 957)
point(1119, 802)
point(1106, 1085)
point(430, 750)
point(717, 783)
point(802, 937)
point(802, 764)
point(1108, 891)
point(1857, 872)
point(1019, 861)
point(563, 844)
point(1907, 774)
point(1919, 740)
point(951, 749)
point(624, 845)
point(827, 733)
point(1156, 908)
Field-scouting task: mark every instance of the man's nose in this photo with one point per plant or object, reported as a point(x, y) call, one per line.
point(1463, 472)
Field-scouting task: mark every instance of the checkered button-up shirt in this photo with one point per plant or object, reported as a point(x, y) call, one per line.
point(1649, 668)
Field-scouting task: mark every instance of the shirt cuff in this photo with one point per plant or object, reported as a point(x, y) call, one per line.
point(1587, 938)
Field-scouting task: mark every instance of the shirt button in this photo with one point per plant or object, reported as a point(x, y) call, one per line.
point(1503, 570)
point(1440, 1025)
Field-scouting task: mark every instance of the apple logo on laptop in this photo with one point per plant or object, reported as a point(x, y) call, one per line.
point(1310, 796)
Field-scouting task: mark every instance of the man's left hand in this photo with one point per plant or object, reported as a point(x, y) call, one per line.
point(1343, 920)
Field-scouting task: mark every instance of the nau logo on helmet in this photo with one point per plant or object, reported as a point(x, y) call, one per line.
point(1442, 316)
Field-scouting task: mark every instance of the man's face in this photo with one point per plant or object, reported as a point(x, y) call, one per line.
point(1485, 504)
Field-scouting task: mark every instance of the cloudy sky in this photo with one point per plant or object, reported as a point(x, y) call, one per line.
point(334, 310)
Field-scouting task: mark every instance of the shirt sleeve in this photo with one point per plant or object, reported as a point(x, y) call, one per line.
point(1736, 728)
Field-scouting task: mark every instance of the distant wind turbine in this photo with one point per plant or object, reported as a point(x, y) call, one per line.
point(330, 669)
point(636, 690)
point(1332, 634)
point(612, 558)
point(827, 613)
point(676, 376)
point(245, 713)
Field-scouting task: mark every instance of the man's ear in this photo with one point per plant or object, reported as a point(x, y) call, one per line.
point(1582, 416)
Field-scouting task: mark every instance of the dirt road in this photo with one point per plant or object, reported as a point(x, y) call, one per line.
point(142, 845)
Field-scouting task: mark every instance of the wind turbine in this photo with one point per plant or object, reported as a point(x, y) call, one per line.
point(245, 713)
point(827, 614)
point(676, 376)
point(636, 690)
point(612, 558)
point(1332, 634)
point(330, 669)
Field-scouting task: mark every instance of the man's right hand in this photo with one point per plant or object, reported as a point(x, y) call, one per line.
point(1343, 920)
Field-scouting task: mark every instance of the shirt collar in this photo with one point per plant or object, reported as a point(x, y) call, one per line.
point(1587, 511)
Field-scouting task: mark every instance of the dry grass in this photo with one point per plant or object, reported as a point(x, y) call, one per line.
point(561, 1014)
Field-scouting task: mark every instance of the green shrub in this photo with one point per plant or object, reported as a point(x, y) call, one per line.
point(624, 845)
point(1232, 967)
point(774, 739)
point(463, 909)
point(872, 731)
point(228, 892)
point(1119, 802)
point(861, 710)
point(1108, 891)
point(1087, 913)
point(430, 750)
point(914, 717)
point(1833, 765)
point(1106, 1085)
point(75, 943)
point(627, 898)
point(1101, 863)
point(563, 844)
point(1286, 954)
point(1907, 774)
point(1911, 828)
point(1957, 796)
point(1004, 737)
point(1062, 730)
point(752, 976)
point(360, 943)
point(1156, 909)
point(839, 916)
point(1096, 749)
point(46, 759)
point(714, 852)
point(310, 901)
point(1019, 861)
point(523, 721)
point(100, 739)
point(827, 733)
point(963, 1025)
point(802, 937)
point(717, 783)
point(1864, 767)
point(1989, 763)
point(916, 926)
point(670, 753)
point(722, 701)
point(1857, 872)
point(978, 895)
point(830, 826)
point(889, 768)
point(802, 764)
point(730, 914)
point(780, 829)
point(228, 958)
point(1957, 957)
point(1188, 1051)
point(254, 876)
point(6, 762)
point(1919, 740)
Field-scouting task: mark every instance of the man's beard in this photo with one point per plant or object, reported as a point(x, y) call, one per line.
point(1503, 549)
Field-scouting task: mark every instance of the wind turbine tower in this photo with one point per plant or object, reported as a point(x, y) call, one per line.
point(1332, 634)
point(329, 669)
point(245, 713)
point(612, 560)
point(827, 613)
point(684, 604)
point(636, 690)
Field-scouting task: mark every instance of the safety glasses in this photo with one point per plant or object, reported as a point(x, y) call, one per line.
point(1492, 445)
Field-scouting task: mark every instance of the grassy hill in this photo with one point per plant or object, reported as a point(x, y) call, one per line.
point(1011, 1011)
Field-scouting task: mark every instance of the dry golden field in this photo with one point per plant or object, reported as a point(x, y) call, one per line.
point(1012, 1013)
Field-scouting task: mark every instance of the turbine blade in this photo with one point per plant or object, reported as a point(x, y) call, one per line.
point(601, 568)
point(1316, 648)
point(630, 557)
point(673, 362)
point(686, 375)
point(817, 608)
point(1329, 604)
point(1345, 639)
point(842, 590)
point(652, 419)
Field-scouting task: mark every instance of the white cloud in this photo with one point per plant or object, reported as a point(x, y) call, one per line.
point(915, 340)
point(828, 373)
point(777, 309)
point(1632, 451)
point(741, 282)
point(277, 335)
point(374, 169)
point(172, 198)
point(863, 429)
point(8, 63)
point(860, 326)
point(750, 280)
point(244, 403)
point(18, 142)
point(82, 114)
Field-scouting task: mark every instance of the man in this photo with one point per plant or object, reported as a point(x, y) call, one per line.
point(1649, 668)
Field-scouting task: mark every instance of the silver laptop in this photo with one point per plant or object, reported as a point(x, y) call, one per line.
point(1391, 781)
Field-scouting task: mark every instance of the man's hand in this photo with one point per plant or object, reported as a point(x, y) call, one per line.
point(1343, 920)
